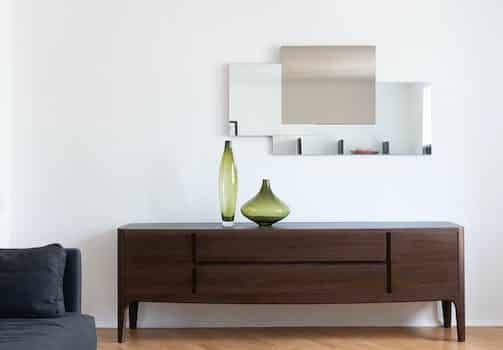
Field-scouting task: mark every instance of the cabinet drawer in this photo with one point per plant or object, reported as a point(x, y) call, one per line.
point(291, 283)
point(151, 247)
point(158, 263)
point(282, 246)
point(159, 281)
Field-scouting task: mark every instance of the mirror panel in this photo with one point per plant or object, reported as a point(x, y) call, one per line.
point(402, 124)
point(320, 84)
point(403, 127)
point(254, 99)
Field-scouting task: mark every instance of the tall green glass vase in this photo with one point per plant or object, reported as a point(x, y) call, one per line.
point(228, 185)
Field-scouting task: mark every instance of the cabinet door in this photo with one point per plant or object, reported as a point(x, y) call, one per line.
point(158, 264)
point(424, 265)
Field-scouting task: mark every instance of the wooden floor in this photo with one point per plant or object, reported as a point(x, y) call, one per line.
point(303, 339)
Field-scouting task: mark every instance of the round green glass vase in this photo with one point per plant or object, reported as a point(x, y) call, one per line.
point(228, 185)
point(265, 208)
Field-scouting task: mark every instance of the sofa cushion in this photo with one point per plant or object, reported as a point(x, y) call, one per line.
point(71, 331)
point(31, 282)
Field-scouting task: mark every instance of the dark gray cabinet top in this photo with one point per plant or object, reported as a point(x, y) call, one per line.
point(378, 225)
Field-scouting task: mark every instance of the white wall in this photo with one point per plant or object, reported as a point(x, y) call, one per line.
point(5, 116)
point(120, 116)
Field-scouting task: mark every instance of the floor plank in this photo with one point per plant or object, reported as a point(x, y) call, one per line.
point(478, 338)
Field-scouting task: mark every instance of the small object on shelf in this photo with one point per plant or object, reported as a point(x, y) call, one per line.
point(234, 128)
point(427, 149)
point(385, 147)
point(299, 145)
point(340, 147)
point(265, 208)
point(368, 151)
point(228, 185)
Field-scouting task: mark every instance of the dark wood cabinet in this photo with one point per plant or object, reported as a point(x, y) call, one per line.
point(291, 263)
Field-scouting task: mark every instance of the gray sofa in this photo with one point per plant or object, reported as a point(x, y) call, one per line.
point(70, 331)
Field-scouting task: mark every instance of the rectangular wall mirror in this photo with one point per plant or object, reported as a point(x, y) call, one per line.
point(391, 118)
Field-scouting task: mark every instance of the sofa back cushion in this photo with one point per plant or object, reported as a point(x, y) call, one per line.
point(31, 282)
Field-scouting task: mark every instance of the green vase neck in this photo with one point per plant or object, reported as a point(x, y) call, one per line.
point(266, 187)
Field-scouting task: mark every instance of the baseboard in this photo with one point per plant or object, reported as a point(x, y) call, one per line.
point(485, 323)
point(153, 324)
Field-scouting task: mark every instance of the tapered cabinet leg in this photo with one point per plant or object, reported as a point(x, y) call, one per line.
point(447, 313)
point(133, 315)
point(460, 319)
point(121, 330)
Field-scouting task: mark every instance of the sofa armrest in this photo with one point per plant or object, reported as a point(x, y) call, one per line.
point(72, 280)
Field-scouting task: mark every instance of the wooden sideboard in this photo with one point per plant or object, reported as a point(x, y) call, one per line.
point(291, 263)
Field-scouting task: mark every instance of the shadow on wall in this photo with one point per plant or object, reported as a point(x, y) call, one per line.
point(99, 276)
point(223, 87)
point(360, 315)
